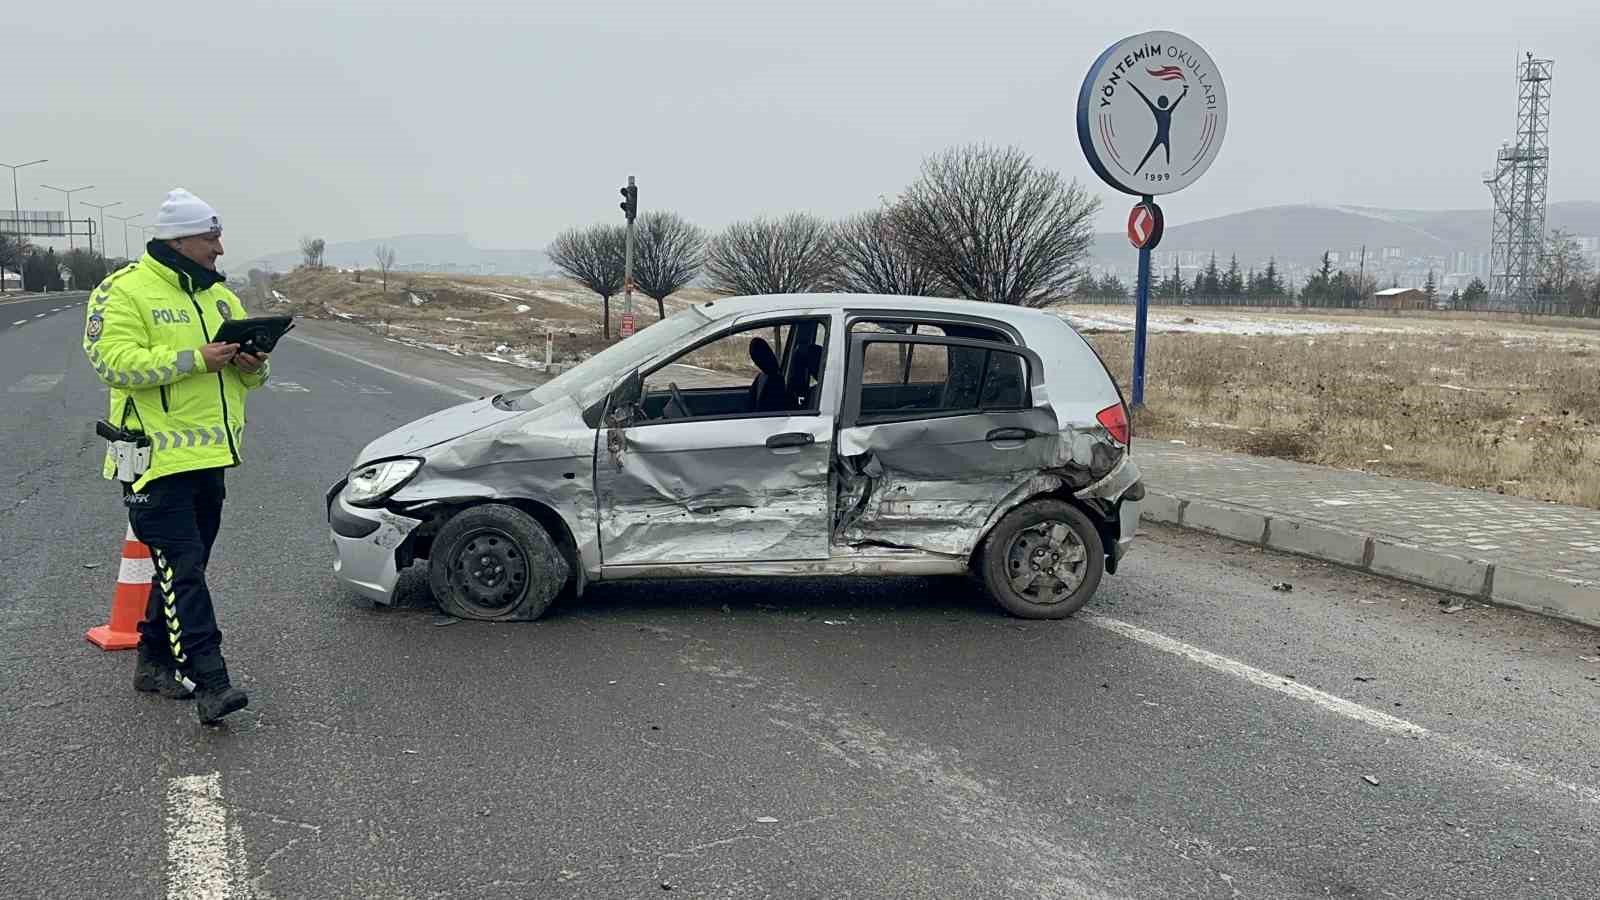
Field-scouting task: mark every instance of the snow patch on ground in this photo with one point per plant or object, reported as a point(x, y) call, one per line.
point(415, 300)
point(1162, 323)
point(523, 307)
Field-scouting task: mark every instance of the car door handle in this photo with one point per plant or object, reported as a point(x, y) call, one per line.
point(1011, 434)
point(790, 439)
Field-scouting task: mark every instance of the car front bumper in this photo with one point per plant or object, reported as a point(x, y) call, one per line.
point(366, 544)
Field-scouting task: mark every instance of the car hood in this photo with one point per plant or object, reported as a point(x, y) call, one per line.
point(432, 430)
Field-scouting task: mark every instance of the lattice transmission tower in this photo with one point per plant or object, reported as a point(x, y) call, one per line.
point(1519, 183)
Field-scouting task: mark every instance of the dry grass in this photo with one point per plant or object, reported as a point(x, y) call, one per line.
point(471, 314)
point(1519, 416)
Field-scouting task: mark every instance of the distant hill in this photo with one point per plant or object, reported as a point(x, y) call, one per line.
point(418, 252)
point(1299, 234)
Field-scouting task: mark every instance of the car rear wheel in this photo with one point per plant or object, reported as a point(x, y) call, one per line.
point(495, 563)
point(1043, 561)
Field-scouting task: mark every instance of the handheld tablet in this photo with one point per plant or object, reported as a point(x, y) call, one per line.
point(253, 336)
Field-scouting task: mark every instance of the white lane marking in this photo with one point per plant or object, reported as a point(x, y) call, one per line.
point(1379, 720)
point(58, 309)
point(1324, 700)
point(356, 387)
point(36, 384)
point(20, 322)
point(417, 379)
point(41, 315)
point(493, 384)
point(199, 865)
point(287, 387)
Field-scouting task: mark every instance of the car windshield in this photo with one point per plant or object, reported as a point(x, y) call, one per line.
point(590, 380)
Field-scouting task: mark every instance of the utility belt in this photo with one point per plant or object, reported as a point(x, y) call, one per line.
point(129, 449)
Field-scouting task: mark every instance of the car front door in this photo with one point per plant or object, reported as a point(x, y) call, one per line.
point(724, 456)
point(933, 433)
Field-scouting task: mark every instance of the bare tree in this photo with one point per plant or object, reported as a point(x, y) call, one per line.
point(1563, 269)
point(385, 255)
point(791, 255)
point(874, 260)
point(595, 258)
point(311, 250)
point(996, 227)
point(13, 252)
point(668, 252)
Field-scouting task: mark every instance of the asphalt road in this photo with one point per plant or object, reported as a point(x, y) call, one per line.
point(15, 312)
point(1194, 733)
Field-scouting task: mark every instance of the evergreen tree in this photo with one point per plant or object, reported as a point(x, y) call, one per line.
point(1475, 294)
point(1269, 285)
point(1210, 284)
point(1087, 288)
point(1431, 289)
point(1171, 286)
point(1233, 284)
point(1319, 287)
point(1455, 299)
point(1112, 286)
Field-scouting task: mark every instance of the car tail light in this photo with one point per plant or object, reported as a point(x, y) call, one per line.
point(1115, 420)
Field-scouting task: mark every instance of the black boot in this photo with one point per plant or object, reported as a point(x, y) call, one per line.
point(215, 696)
point(155, 674)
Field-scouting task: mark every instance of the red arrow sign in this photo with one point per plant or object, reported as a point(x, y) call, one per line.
point(1145, 225)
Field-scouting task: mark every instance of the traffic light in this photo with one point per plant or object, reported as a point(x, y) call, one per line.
point(630, 201)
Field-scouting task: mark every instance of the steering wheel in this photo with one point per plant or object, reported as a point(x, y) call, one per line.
point(677, 400)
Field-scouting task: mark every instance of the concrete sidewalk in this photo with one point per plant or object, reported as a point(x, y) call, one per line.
point(1542, 557)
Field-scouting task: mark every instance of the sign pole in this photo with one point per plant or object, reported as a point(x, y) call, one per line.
point(1146, 224)
point(1140, 317)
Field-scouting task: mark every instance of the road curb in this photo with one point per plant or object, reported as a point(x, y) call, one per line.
point(1547, 595)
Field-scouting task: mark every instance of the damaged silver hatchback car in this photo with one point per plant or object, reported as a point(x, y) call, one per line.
point(791, 436)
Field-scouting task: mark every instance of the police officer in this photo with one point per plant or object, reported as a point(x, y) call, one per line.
point(149, 337)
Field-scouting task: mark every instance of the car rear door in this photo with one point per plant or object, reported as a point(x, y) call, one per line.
point(934, 433)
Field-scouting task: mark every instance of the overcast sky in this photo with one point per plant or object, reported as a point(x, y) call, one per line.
point(512, 120)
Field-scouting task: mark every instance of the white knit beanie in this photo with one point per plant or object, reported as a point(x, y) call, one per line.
point(185, 215)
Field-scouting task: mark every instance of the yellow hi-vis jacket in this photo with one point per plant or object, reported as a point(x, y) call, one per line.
point(146, 325)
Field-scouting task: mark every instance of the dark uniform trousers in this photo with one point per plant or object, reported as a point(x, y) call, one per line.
point(177, 517)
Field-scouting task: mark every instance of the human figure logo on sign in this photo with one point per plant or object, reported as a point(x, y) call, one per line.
point(1151, 115)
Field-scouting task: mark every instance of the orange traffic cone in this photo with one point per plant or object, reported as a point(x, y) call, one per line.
point(128, 603)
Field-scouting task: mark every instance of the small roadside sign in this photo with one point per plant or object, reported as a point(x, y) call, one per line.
point(1145, 225)
point(627, 324)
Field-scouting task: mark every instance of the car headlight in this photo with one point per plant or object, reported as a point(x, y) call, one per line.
point(371, 483)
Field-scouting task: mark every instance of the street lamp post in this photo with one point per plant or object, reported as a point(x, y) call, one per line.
point(125, 220)
point(102, 207)
point(71, 245)
point(16, 203)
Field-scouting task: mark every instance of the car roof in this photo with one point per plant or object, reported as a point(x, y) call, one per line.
point(1019, 316)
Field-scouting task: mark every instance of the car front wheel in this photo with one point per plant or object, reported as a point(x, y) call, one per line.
point(495, 563)
point(1043, 560)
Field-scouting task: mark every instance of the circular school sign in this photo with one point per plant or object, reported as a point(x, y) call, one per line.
point(1151, 113)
